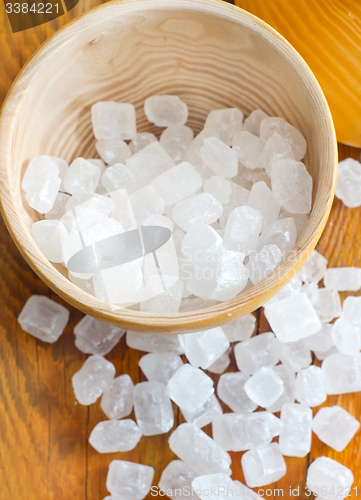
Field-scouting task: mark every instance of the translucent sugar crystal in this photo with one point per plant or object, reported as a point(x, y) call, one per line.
point(261, 264)
point(263, 466)
point(264, 387)
point(146, 202)
point(205, 414)
point(112, 436)
point(219, 187)
point(201, 207)
point(322, 340)
point(296, 433)
point(335, 427)
point(295, 139)
point(314, 269)
point(41, 183)
point(160, 366)
point(231, 391)
point(327, 304)
point(241, 329)
point(190, 387)
point(282, 233)
point(321, 355)
point(177, 183)
point(226, 122)
point(240, 432)
point(261, 198)
point(176, 140)
point(149, 162)
point(82, 175)
point(294, 286)
point(346, 336)
point(242, 230)
point(176, 479)
point(42, 168)
point(256, 352)
point(214, 487)
point(239, 197)
point(165, 110)
point(50, 236)
point(153, 343)
point(221, 364)
point(203, 348)
point(58, 209)
point(93, 378)
point(293, 318)
point(113, 120)
point(153, 408)
point(113, 151)
point(141, 140)
point(43, 318)
point(248, 148)
point(288, 395)
point(93, 336)
point(348, 187)
point(253, 122)
point(292, 186)
point(129, 480)
point(119, 176)
point(310, 386)
point(343, 279)
point(200, 452)
point(275, 149)
point(352, 310)
point(117, 400)
point(329, 478)
point(129, 275)
point(194, 155)
point(342, 373)
point(219, 157)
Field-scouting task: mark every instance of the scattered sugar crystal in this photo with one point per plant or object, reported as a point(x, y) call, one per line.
point(113, 120)
point(311, 290)
point(58, 209)
point(261, 264)
point(200, 452)
point(160, 366)
point(140, 141)
point(327, 304)
point(263, 466)
point(165, 110)
point(294, 355)
point(113, 151)
point(293, 318)
point(240, 432)
point(153, 343)
point(82, 175)
point(253, 122)
point(282, 233)
point(342, 373)
point(314, 269)
point(161, 301)
point(50, 236)
point(348, 188)
point(112, 436)
point(129, 480)
point(275, 149)
point(352, 310)
point(149, 162)
point(241, 329)
point(346, 336)
point(226, 122)
point(335, 427)
point(146, 202)
point(242, 230)
point(119, 176)
point(205, 414)
point(176, 140)
point(261, 198)
point(294, 286)
point(343, 279)
point(322, 340)
point(329, 478)
point(43, 318)
point(93, 336)
point(43, 169)
point(295, 139)
point(292, 186)
point(194, 155)
point(310, 386)
point(239, 198)
point(153, 408)
point(203, 348)
point(264, 387)
point(177, 183)
point(296, 433)
point(176, 478)
point(221, 364)
point(288, 395)
point(219, 187)
point(219, 157)
point(259, 351)
point(190, 387)
point(93, 378)
point(214, 487)
point(41, 195)
point(248, 148)
point(201, 207)
point(117, 400)
point(231, 391)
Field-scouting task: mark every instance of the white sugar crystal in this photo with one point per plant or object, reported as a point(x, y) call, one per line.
point(93, 378)
point(327, 304)
point(129, 480)
point(261, 264)
point(296, 434)
point(335, 427)
point(201, 207)
point(242, 230)
point(225, 122)
point(165, 110)
point(253, 122)
point(82, 175)
point(153, 408)
point(113, 151)
point(219, 157)
point(176, 140)
point(117, 400)
point(346, 336)
point(292, 186)
point(177, 183)
point(199, 451)
point(348, 187)
point(275, 149)
point(294, 355)
point(237, 432)
point(146, 202)
point(149, 162)
point(92, 201)
point(214, 487)
point(311, 290)
point(322, 340)
point(176, 480)
point(352, 310)
point(329, 478)
point(263, 466)
point(140, 141)
point(119, 176)
point(200, 242)
point(106, 284)
point(194, 156)
point(41, 195)
point(113, 120)
point(239, 198)
point(231, 391)
point(310, 386)
point(293, 318)
point(153, 343)
point(288, 395)
point(39, 169)
point(264, 387)
point(295, 139)
point(58, 209)
point(248, 148)
point(259, 351)
point(43, 318)
point(112, 436)
point(343, 279)
point(219, 187)
point(261, 198)
point(313, 270)
point(190, 387)
point(241, 329)
point(342, 373)
point(294, 286)
point(203, 348)
point(93, 336)
point(221, 364)
point(205, 414)
point(162, 301)
point(282, 233)
point(160, 366)
point(50, 236)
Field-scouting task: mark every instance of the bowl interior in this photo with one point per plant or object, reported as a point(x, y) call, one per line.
point(211, 55)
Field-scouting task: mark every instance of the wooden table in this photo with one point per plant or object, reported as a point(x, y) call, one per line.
point(44, 453)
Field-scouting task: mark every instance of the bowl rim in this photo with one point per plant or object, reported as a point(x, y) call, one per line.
point(202, 319)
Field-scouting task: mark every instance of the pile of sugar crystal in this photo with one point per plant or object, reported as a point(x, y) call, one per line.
point(235, 199)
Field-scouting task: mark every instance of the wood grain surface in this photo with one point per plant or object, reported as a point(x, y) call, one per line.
point(44, 454)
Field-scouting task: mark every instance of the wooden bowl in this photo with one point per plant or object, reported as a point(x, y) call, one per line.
point(212, 55)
